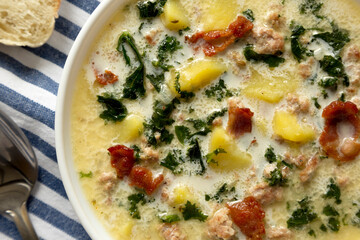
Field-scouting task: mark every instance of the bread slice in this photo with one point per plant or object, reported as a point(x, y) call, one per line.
point(27, 22)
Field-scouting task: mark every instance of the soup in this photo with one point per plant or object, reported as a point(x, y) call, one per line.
point(223, 119)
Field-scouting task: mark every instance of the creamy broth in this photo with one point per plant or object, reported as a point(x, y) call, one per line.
point(289, 96)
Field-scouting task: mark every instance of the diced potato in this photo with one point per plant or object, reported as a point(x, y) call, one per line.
point(126, 230)
point(129, 129)
point(286, 125)
point(262, 125)
point(270, 88)
point(234, 158)
point(218, 14)
point(181, 194)
point(197, 74)
point(174, 16)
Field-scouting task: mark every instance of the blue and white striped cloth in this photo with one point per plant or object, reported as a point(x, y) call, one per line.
point(29, 81)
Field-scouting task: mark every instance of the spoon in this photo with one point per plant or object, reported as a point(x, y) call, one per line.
point(18, 173)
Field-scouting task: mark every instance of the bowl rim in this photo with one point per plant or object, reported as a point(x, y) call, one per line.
point(80, 49)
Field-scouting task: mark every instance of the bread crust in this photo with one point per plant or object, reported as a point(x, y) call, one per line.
point(26, 25)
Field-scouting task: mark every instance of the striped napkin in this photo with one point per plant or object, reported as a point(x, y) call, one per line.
point(29, 80)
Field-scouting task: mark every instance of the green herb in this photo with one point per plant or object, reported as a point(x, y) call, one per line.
point(249, 14)
point(134, 200)
point(182, 133)
point(276, 178)
point(136, 152)
point(114, 111)
point(223, 192)
point(311, 232)
point(336, 39)
point(332, 66)
point(329, 82)
point(150, 9)
point(86, 175)
point(166, 48)
point(334, 224)
point(169, 218)
point(271, 60)
point(342, 97)
point(172, 161)
point(156, 80)
point(134, 83)
point(301, 216)
point(270, 155)
point(310, 6)
point(183, 94)
point(323, 228)
point(195, 156)
point(330, 211)
point(210, 156)
point(283, 162)
point(297, 49)
point(191, 211)
point(324, 94)
point(212, 116)
point(316, 103)
point(203, 126)
point(333, 191)
point(181, 31)
point(218, 91)
point(158, 122)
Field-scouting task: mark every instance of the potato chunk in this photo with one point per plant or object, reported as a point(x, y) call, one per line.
point(218, 14)
point(234, 158)
point(129, 129)
point(197, 74)
point(181, 194)
point(174, 16)
point(286, 125)
point(270, 88)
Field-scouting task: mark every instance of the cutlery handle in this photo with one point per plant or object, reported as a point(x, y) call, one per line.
point(23, 223)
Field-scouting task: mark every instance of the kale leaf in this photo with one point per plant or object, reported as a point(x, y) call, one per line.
point(195, 156)
point(172, 161)
point(316, 103)
point(270, 155)
point(183, 94)
point(249, 14)
point(218, 91)
point(310, 6)
point(330, 211)
point(191, 211)
point(224, 192)
point(297, 49)
point(86, 175)
point(158, 122)
point(166, 48)
point(182, 133)
point(210, 156)
point(150, 9)
point(169, 218)
point(334, 224)
point(156, 80)
point(337, 39)
point(134, 200)
point(114, 110)
point(333, 191)
point(203, 125)
point(271, 60)
point(332, 66)
point(276, 178)
point(329, 82)
point(301, 216)
point(134, 83)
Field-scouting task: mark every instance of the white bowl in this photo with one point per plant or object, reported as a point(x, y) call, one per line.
point(70, 177)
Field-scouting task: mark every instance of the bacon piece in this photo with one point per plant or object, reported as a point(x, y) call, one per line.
point(106, 78)
point(122, 159)
point(239, 121)
point(218, 40)
point(142, 177)
point(335, 113)
point(249, 217)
